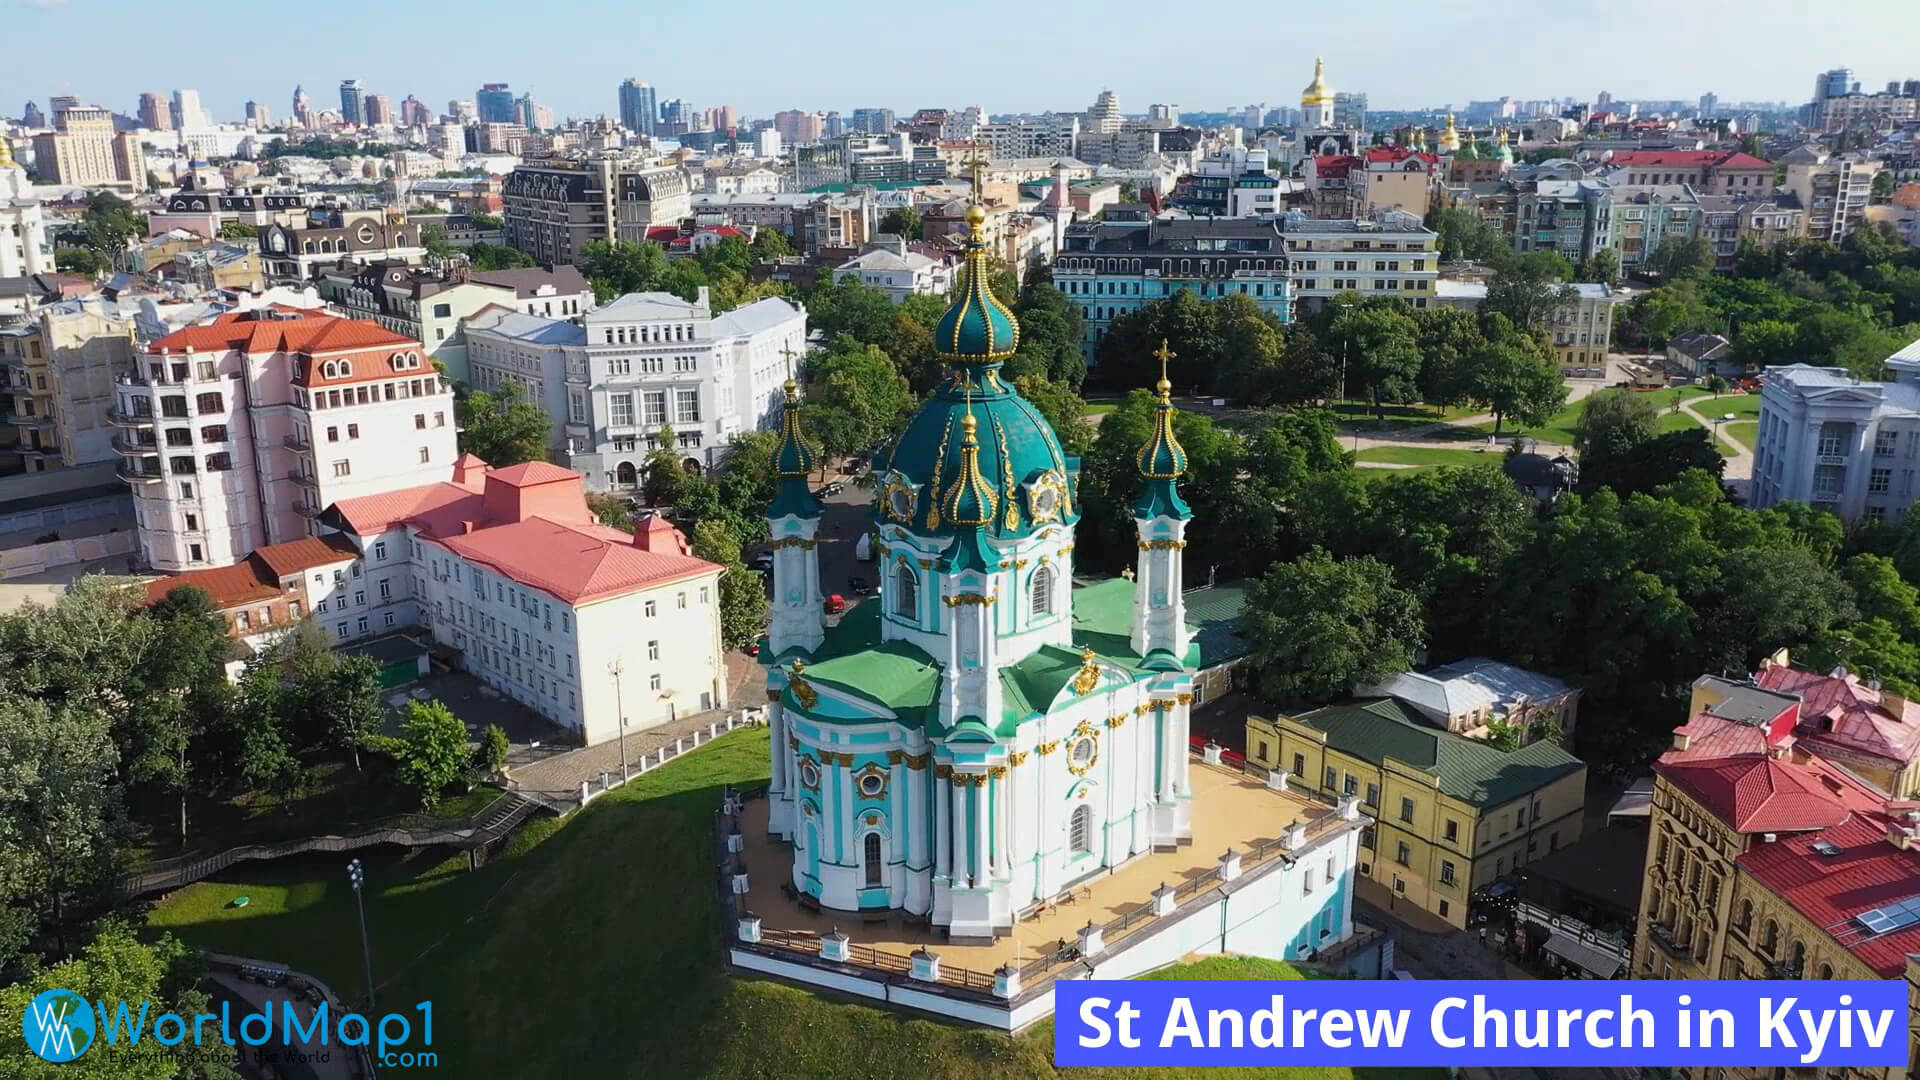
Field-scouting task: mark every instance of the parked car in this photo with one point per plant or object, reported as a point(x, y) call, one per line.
point(835, 604)
point(830, 490)
point(857, 585)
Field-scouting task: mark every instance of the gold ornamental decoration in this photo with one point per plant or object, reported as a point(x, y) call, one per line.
point(1163, 545)
point(1184, 699)
point(1007, 489)
point(942, 771)
point(1117, 721)
point(1046, 748)
point(918, 763)
point(1017, 758)
point(1088, 676)
point(802, 690)
point(998, 772)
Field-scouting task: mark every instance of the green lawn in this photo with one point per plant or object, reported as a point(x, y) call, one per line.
point(1099, 408)
point(591, 948)
point(1744, 431)
point(1424, 457)
point(1360, 414)
point(1558, 429)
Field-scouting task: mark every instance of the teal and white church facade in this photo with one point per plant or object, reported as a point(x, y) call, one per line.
point(963, 756)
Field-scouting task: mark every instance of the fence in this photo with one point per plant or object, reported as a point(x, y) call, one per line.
point(492, 822)
point(683, 745)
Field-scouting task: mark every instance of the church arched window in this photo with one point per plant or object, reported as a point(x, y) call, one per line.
point(906, 591)
point(875, 869)
point(1080, 830)
point(1041, 603)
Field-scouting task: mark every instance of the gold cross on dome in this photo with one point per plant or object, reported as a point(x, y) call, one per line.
point(787, 352)
point(1164, 354)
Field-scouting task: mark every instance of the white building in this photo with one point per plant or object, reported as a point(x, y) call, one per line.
point(533, 353)
point(24, 248)
point(652, 360)
point(898, 271)
point(430, 305)
point(581, 623)
point(1840, 444)
point(1388, 254)
point(236, 433)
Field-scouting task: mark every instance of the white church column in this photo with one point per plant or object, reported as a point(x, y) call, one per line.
point(942, 827)
point(1042, 827)
point(982, 822)
point(1002, 821)
point(959, 831)
point(777, 737)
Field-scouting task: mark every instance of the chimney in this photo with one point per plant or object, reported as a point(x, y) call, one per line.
point(657, 534)
point(1902, 836)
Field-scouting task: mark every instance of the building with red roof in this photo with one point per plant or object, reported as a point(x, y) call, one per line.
point(274, 587)
point(1709, 172)
point(1767, 858)
point(1871, 730)
point(510, 571)
point(234, 434)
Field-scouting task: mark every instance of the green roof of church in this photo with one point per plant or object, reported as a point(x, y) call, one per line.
point(1015, 447)
point(1468, 769)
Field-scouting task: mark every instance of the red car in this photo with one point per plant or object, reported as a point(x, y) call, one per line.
point(835, 604)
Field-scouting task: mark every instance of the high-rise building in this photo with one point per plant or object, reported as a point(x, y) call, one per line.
point(495, 104)
point(414, 112)
point(1350, 111)
point(84, 150)
point(353, 105)
point(1252, 116)
point(676, 117)
point(1603, 101)
point(1910, 88)
point(798, 128)
point(61, 103)
point(1837, 82)
point(639, 112)
point(554, 209)
point(871, 121)
point(332, 408)
point(462, 112)
point(302, 109)
point(32, 117)
point(259, 117)
point(156, 112)
point(1709, 105)
point(187, 113)
point(1104, 117)
point(833, 127)
point(1164, 115)
point(379, 110)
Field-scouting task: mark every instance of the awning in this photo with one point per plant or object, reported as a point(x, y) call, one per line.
point(1602, 965)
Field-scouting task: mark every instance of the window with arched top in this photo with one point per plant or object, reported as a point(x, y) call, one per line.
point(906, 591)
point(871, 852)
point(1080, 830)
point(1041, 601)
point(1746, 915)
point(1797, 956)
point(1770, 937)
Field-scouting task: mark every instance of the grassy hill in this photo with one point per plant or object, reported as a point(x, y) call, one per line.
point(591, 949)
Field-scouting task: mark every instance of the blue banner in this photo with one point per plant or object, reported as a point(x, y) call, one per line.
point(1487, 1023)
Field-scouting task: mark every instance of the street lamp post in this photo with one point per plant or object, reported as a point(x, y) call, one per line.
point(618, 668)
point(357, 874)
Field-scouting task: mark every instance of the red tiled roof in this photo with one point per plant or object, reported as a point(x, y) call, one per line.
point(1718, 159)
point(308, 334)
point(1756, 794)
point(285, 560)
point(1830, 889)
point(576, 564)
point(368, 515)
point(1383, 154)
point(257, 577)
point(1842, 716)
point(1333, 164)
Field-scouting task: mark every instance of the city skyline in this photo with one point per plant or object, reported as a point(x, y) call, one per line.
point(580, 77)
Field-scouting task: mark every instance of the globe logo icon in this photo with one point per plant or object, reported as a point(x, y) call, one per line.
point(58, 1025)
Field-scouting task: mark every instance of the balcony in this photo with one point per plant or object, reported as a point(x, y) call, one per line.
point(133, 474)
point(122, 419)
point(311, 483)
point(134, 446)
point(296, 442)
point(1781, 969)
point(306, 510)
point(1664, 938)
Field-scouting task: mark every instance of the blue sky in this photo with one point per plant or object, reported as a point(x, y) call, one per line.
point(762, 56)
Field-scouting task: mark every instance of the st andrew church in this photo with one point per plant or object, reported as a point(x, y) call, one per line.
point(974, 748)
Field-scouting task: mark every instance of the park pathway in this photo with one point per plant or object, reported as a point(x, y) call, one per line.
point(1739, 458)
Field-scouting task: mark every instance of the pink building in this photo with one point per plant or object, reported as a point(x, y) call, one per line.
point(236, 434)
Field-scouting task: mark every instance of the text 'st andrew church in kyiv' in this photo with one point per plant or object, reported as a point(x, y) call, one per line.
point(971, 747)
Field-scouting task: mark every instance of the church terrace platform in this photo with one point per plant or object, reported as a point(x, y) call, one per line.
point(1264, 824)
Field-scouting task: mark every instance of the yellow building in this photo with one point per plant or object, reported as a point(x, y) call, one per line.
point(1766, 861)
point(1451, 814)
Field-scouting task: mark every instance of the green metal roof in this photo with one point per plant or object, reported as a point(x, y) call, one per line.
point(1015, 447)
point(894, 674)
point(1468, 769)
point(1103, 614)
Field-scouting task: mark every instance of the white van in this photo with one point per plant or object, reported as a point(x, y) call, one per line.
point(863, 549)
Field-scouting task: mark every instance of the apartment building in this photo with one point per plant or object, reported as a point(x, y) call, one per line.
point(274, 588)
point(61, 365)
point(892, 266)
point(586, 625)
point(83, 150)
point(295, 251)
point(1390, 178)
point(430, 305)
point(1389, 253)
point(652, 360)
point(1237, 182)
point(204, 213)
point(1645, 217)
point(1847, 446)
point(1466, 696)
point(1832, 190)
point(1709, 172)
point(1769, 861)
point(1112, 267)
point(555, 207)
point(1450, 814)
point(24, 247)
point(1571, 216)
point(235, 434)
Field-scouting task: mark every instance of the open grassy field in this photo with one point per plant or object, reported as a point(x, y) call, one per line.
point(1425, 457)
point(1743, 431)
point(591, 948)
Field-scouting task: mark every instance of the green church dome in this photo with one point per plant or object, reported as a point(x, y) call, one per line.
point(978, 327)
point(793, 462)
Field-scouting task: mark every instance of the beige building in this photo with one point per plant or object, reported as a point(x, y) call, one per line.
point(1768, 861)
point(1834, 191)
point(1450, 814)
point(84, 151)
point(61, 368)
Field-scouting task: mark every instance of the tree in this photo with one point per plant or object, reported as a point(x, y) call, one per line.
point(1883, 185)
point(110, 222)
point(1450, 339)
point(431, 750)
point(613, 511)
point(71, 260)
point(1669, 310)
point(1381, 351)
point(237, 230)
point(1612, 423)
point(184, 690)
point(118, 967)
point(1062, 409)
point(903, 222)
point(484, 256)
point(61, 825)
point(616, 268)
point(857, 399)
point(743, 599)
point(1318, 626)
point(850, 308)
point(1662, 459)
point(1602, 266)
point(350, 705)
point(501, 428)
point(1684, 257)
point(1514, 377)
point(258, 748)
point(770, 243)
point(491, 755)
point(1529, 289)
point(1763, 344)
point(666, 481)
point(1463, 234)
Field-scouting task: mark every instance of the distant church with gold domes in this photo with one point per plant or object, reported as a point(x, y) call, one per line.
point(984, 734)
point(1320, 133)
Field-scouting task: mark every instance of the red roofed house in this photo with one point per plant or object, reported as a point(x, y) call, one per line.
point(274, 587)
point(508, 567)
point(1767, 858)
point(1709, 172)
point(235, 434)
point(1393, 178)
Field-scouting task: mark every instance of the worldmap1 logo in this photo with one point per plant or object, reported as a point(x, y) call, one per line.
point(58, 1025)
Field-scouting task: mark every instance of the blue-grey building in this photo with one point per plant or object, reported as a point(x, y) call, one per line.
point(639, 111)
